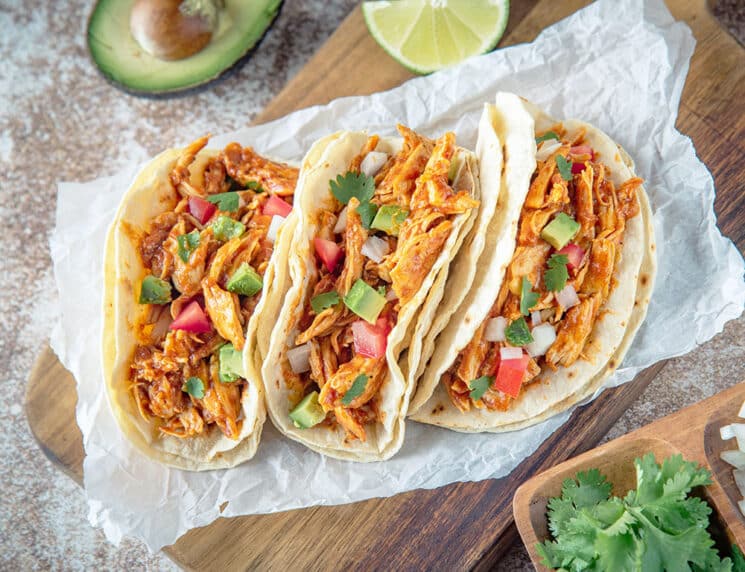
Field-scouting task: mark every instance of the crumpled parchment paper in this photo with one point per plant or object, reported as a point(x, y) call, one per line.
point(620, 65)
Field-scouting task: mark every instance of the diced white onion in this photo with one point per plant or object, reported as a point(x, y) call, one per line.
point(741, 504)
point(742, 411)
point(341, 222)
point(507, 353)
point(535, 317)
point(567, 297)
point(547, 148)
point(543, 336)
point(391, 295)
point(299, 358)
point(494, 331)
point(277, 221)
point(375, 249)
point(726, 432)
point(735, 458)
point(740, 480)
point(373, 162)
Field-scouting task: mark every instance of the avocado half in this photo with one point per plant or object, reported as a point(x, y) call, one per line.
point(240, 26)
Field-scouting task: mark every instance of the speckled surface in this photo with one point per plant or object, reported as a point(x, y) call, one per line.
point(59, 120)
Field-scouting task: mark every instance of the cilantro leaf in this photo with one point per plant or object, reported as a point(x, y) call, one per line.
point(517, 333)
point(194, 386)
point(591, 487)
point(324, 301)
point(367, 212)
point(352, 184)
point(227, 202)
point(255, 186)
point(557, 274)
point(616, 553)
point(738, 559)
point(528, 298)
point(479, 386)
point(358, 386)
point(546, 136)
point(187, 243)
point(565, 167)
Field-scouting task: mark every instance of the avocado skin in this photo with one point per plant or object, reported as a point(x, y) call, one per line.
point(186, 87)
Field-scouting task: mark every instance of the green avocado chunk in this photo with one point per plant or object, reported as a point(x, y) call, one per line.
point(240, 25)
point(154, 291)
point(224, 228)
point(560, 231)
point(308, 412)
point(389, 219)
point(245, 281)
point(364, 301)
point(231, 364)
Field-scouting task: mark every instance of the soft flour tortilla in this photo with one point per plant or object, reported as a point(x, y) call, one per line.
point(385, 438)
point(612, 334)
point(150, 195)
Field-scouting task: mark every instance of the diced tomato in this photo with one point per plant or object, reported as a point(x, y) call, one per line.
point(369, 340)
point(329, 252)
point(276, 206)
point(574, 255)
point(510, 374)
point(192, 319)
point(201, 209)
point(578, 168)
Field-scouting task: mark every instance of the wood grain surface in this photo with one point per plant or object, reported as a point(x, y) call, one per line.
point(692, 432)
point(416, 530)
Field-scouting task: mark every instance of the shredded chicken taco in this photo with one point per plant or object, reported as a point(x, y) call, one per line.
point(190, 288)
point(546, 324)
point(376, 230)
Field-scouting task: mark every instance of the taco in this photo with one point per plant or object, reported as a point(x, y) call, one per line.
point(374, 234)
point(544, 326)
point(191, 285)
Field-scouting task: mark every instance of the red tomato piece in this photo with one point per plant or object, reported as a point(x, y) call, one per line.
point(510, 375)
point(276, 206)
point(577, 168)
point(201, 209)
point(582, 150)
point(369, 340)
point(192, 319)
point(329, 252)
point(574, 255)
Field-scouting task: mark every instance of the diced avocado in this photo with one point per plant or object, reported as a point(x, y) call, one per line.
point(364, 301)
point(154, 291)
point(308, 412)
point(389, 219)
point(560, 231)
point(224, 228)
point(231, 364)
point(240, 25)
point(187, 243)
point(245, 281)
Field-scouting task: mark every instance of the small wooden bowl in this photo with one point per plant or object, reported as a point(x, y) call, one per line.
point(692, 432)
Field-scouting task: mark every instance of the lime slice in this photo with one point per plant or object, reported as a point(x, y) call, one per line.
point(428, 35)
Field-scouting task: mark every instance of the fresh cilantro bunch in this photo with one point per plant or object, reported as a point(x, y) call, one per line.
point(656, 527)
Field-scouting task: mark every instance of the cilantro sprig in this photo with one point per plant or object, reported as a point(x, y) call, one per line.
point(528, 298)
point(194, 386)
point(565, 167)
point(352, 184)
point(557, 274)
point(546, 136)
point(324, 301)
point(479, 386)
point(358, 386)
point(227, 202)
point(657, 526)
point(517, 333)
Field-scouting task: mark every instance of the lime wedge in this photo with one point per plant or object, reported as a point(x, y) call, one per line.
point(428, 35)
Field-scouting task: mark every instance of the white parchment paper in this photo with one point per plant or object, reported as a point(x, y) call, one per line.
point(620, 65)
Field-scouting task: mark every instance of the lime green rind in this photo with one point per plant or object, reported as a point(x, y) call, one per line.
point(369, 6)
point(122, 61)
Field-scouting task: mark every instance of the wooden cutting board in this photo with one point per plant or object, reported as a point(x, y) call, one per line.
point(692, 432)
point(463, 525)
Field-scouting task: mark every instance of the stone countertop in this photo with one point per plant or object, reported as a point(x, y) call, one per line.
point(59, 120)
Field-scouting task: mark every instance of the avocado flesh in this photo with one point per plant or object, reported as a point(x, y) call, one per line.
point(241, 24)
point(245, 281)
point(308, 412)
point(560, 231)
point(154, 291)
point(231, 364)
point(364, 301)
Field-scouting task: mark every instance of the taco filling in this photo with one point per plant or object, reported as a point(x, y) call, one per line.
point(570, 238)
point(206, 259)
point(389, 222)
